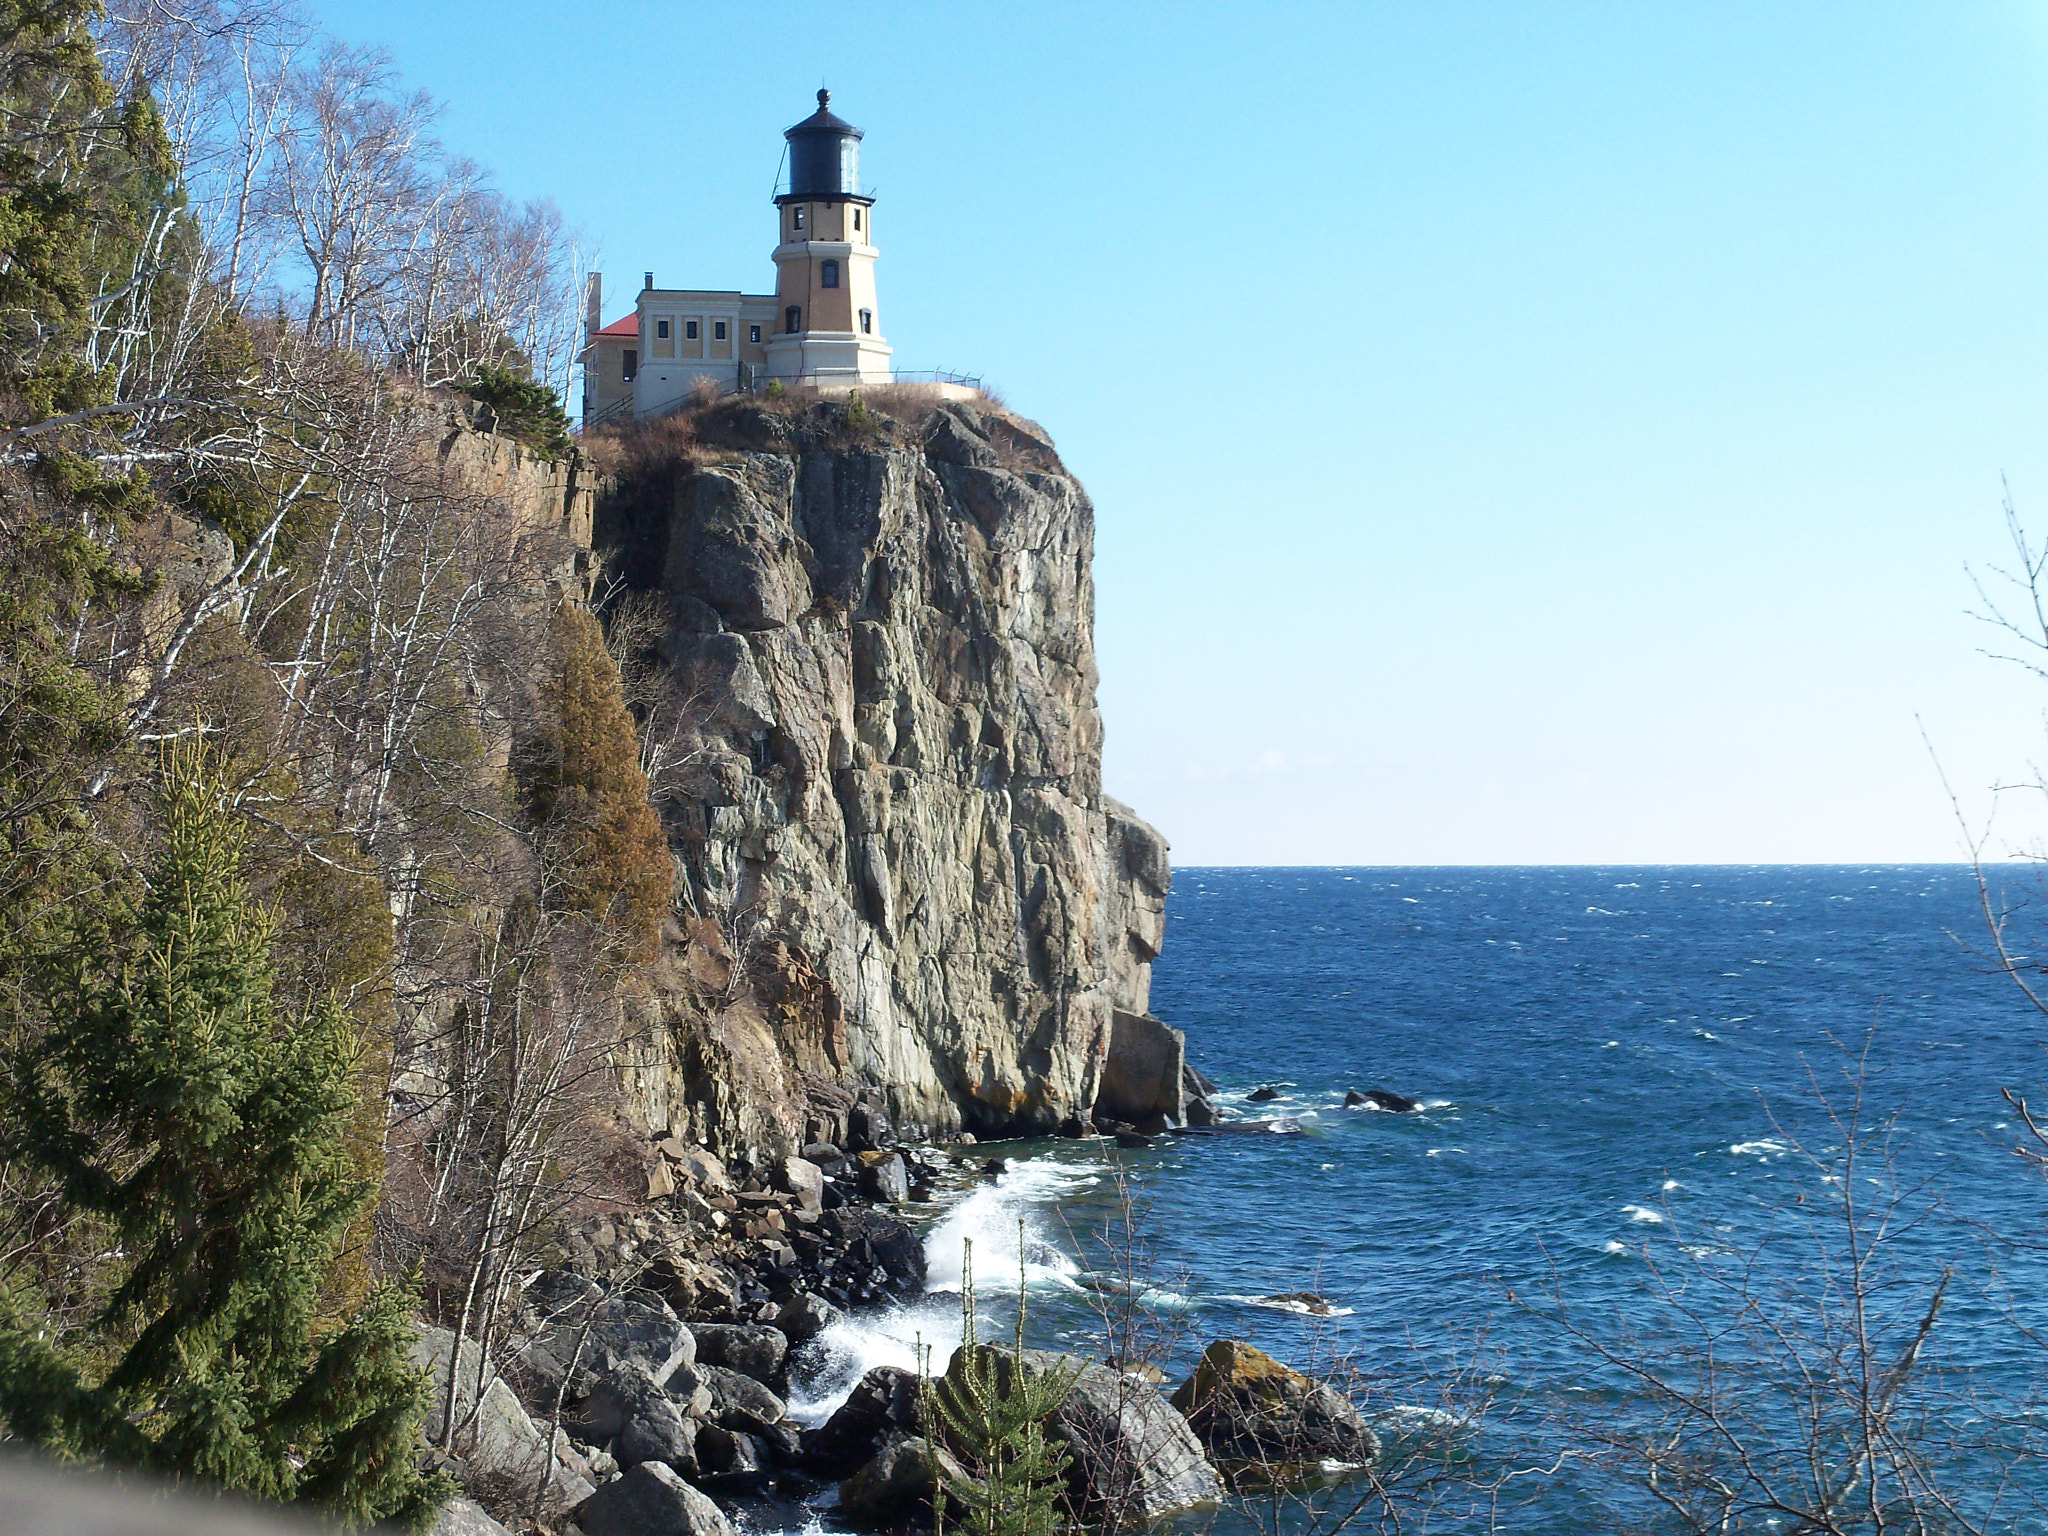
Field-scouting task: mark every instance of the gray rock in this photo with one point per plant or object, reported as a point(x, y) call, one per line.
point(804, 1317)
point(904, 767)
point(752, 1349)
point(505, 1443)
point(740, 1402)
point(883, 1177)
point(651, 1500)
point(1265, 1093)
point(867, 1128)
point(626, 1329)
point(897, 1479)
point(882, 1402)
point(657, 1430)
point(1143, 1074)
point(732, 1458)
point(1132, 1456)
point(1249, 1408)
point(1381, 1098)
point(1201, 1112)
point(465, 1517)
point(804, 1179)
point(825, 1155)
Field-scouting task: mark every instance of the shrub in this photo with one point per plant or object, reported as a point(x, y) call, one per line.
point(528, 411)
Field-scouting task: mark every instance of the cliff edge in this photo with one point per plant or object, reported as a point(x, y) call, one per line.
point(863, 651)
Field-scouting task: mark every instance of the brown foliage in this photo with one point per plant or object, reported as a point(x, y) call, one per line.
point(586, 789)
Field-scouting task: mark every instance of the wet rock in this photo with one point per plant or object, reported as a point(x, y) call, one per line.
point(879, 1256)
point(732, 1459)
point(1201, 1112)
point(1248, 1408)
point(1398, 1103)
point(882, 1402)
point(897, 1480)
point(752, 1349)
point(1264, 1094)
point(651, 1500)
point(802, 1318)
point(1132, 1141)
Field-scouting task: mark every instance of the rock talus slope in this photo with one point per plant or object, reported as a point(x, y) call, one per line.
point(877, 752)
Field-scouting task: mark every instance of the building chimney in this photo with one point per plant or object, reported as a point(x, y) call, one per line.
point(650, 281)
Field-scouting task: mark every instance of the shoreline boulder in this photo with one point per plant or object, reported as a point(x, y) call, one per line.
point(1253, 1411)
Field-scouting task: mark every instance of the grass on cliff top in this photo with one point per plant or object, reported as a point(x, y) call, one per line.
point(711, 428)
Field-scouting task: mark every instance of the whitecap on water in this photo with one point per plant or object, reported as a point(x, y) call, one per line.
point(1615, 1247)
point(1764, 1147)
point(1669, 1185)
point(1704, 1034)
point(1299, 1304)
point(1642, 1213)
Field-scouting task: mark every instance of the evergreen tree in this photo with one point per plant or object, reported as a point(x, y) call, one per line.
point(167, 1103)
point(585, 787)
point(992, 1410)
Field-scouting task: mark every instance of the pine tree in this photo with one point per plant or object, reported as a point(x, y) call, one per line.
point(993, 1411)
point(585, 787)
point(169, 1104)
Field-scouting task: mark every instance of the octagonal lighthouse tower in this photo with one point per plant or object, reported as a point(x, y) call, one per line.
point(826, 328)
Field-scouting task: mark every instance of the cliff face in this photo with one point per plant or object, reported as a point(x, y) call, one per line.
point(877, 752)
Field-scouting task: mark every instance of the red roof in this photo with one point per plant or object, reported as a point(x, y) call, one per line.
point(628, 327)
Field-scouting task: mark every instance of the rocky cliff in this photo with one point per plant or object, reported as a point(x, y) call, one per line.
point(868, 680)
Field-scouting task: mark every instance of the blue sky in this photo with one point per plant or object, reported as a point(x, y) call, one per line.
point(1518, 433)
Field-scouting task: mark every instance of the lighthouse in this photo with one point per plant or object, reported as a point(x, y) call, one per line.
point(827, 324)
point(821, 327)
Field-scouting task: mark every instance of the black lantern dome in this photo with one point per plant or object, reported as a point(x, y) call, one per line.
point(824, 157)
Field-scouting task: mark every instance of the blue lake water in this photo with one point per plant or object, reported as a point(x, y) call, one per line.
point(1609, 1058)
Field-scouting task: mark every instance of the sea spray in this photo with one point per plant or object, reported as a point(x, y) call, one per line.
point(1007, 1221)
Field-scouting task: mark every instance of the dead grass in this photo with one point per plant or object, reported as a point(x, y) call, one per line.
point(710, 428)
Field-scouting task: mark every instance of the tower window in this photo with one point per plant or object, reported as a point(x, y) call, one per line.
point(661, 329)
point(796, 217)
point(718, 330)
point(867, 322)
point(632, 360)
point(856, 218)
point(689, 330)
point(828, 274)
point(754, 334)
point(792, 319)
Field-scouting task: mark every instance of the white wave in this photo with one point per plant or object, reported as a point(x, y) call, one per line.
point(832, 1364)
point(1765, 1147)
point(1610, 1045)
point(1704, 1034)
point(1643, 1213)
point(1601, 912)
point(1615, 1247)
point(989, 1218)
point(1438, 1151)
point(1288, 1304)
point(1439, 1104)
point(1669, 1185)
point(829, 1367)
